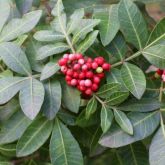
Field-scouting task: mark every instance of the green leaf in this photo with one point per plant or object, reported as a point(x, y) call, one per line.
point(155, 55)
point(118, 47)
point(58, 9)
point(31, 97)
point(123, 121)
point(7, 110)
point(85, 26)
point(117, 98)
point(143, 105)
point(158, 33)
point(48, 35)
point(9, 87)
point(107, 89)
point(49, 70)
point(8, 150)
point(64, 149)
point(34, 137)
point(70, 98)
point(132, 24)
point(157, 147)
point(144, 124)
point(109, 24)
point(51, 49)
point(4, 13)
point(91, 107)
point(106, 118)
point(21, 39)
point(13, 128)
point(52, 100)
point(134, 79)
point(134, 154)
point(75, 19)
point(89, 40)
point(15, 58)
point(17, 27)
point(31, 51)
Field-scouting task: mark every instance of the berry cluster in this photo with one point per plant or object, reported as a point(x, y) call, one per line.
point(160, 73)
point(82, 72)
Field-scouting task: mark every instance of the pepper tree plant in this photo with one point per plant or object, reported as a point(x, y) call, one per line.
point(45, 121)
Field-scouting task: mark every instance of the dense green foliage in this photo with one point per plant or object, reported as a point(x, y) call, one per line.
point(46, 122)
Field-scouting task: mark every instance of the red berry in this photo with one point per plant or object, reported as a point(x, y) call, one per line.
point(94, 65)
point(72, 57)
point(64, 69)
point(76, 66)
point(81, 61)
point(68, 78)
point(82, 83)
point(94, 87)
point(99, 60)
point(89, 60)
point(75, 75)
point(62, 61)
point(159, 72)
point(78, 56)
point(101, 75)
point(66, 56)
point(88, 92)
point(73, 82)
point(69, 82)
point(84, 67)
point(82, 88)
point(89, 74)
point(106, 66)
point(69, 72)
point(96, 79)
point(89, 65)
point(82, 75)
point(88, 83)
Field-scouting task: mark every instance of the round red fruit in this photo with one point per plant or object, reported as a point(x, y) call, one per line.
point(88, 92)
point(106, 66)
point(75, 75)
point(94, 65)
point(96, 80)
point(82, 88)
point(94, 87)
point(101, 75)
point(89, 60)
point(68, 78)
point(100, 60)
point(69, 72)
point(64, 69)
point(159, 72)
point(66, 56)
point(62, 61)
point(88, 83)
point(81, 61)
point(78, 56)
point(82, 75)
point(82, 83)
point(73, 82)
point(89, 74)
point(84, 67)
point(72, 57)
point(76, 66)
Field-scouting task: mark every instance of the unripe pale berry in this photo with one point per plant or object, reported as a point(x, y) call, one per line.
point(99, 70)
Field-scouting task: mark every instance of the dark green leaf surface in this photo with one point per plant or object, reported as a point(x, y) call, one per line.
point(134, 79)
point(15, 58)
point(144, 124)
point(34, 136)
point(64, 149)
point(52, 100)
point(123, 121)
point(31, 97)
point(132, 24)
point(14, 128)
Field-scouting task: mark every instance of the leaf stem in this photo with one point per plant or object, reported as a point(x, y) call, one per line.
point(127, 59)
point(99, 100)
